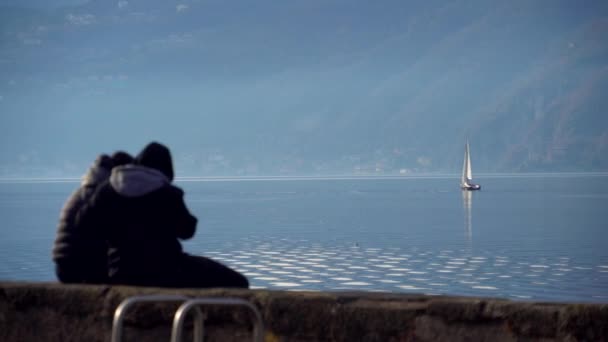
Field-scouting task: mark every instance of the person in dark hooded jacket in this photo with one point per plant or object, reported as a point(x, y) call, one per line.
point(143, 216)
point(80, 255)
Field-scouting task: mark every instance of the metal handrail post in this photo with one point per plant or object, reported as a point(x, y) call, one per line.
point(182, 311)
point(119, 314)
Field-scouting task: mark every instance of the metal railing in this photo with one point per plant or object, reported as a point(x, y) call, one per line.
point(181, 313)
point(119, 314)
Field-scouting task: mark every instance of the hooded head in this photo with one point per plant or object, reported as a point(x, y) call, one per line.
point(99, 171)
point(122, 158)
point(104, 161)
point(156, 156)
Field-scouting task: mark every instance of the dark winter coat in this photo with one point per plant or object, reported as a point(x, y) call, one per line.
point(142, 216)
point(80, 254)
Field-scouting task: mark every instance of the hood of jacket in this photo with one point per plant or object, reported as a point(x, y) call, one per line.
point(98, 173)
point(136, 180)
point(156, 156)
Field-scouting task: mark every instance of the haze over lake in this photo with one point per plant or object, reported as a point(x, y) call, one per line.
point(241, 88)
point(523, 237)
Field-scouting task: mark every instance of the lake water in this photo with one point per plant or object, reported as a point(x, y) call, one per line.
point(527, 237)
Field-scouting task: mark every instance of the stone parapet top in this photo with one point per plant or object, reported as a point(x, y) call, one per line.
point(59, 312)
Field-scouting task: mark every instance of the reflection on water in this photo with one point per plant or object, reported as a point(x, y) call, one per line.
point(280, 263)
point(467, 205)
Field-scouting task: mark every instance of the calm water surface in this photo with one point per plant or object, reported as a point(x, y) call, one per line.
point(531, 237)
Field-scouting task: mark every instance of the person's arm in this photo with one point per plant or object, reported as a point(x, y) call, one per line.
point(89, 218)
point(65, 229)
point(185, 223)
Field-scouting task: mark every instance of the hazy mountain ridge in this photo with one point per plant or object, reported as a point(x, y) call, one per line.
point(320, 86)
point(556, 110)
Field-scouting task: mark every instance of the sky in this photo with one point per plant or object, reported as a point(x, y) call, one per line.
point(44, 4)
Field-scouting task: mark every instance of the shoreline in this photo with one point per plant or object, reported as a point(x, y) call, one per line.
point(410, 176)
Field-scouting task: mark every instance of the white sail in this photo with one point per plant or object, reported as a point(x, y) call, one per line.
point(463, 178)
point(469, 174)
point(466, 182)
point(465, 166)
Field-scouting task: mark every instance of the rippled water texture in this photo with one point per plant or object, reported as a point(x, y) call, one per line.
point(539, 237)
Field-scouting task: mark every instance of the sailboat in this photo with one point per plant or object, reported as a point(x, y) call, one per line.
point(466, 182)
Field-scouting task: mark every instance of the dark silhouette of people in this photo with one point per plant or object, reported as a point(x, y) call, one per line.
point(142, 217)
point(79, 254)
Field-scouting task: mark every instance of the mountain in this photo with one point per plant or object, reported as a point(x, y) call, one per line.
point(330, 86)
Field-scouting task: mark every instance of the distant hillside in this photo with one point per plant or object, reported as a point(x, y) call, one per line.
point(554, 116)
point(309, 86)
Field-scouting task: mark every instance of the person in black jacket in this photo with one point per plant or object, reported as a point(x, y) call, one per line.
point(79, 254)
point(143, 216)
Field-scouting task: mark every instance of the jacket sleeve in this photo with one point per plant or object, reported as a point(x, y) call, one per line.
point(64, 241)
point(90, 219)
point(185, 223)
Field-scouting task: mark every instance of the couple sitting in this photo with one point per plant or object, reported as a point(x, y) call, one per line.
point(123, 225)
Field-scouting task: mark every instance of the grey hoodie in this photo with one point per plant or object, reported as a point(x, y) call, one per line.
point(136, 180)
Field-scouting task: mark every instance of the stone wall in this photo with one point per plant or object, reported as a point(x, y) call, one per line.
point(57, 312)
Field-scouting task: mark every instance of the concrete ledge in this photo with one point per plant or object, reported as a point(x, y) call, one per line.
point(56, 312)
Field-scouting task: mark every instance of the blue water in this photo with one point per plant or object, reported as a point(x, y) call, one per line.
point(530, 237)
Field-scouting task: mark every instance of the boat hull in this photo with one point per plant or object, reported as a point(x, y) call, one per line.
point(471, 187)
